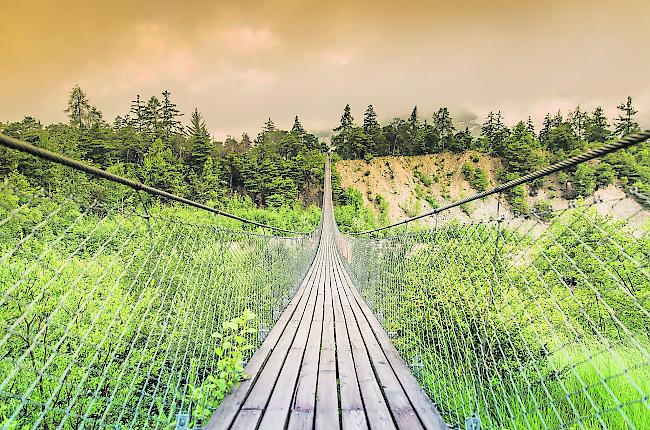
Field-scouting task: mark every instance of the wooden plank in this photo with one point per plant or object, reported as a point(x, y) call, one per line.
point(377, 411)
point(400, 407)
point(230, 406)
point(420, 402)
point(304, 402)
point(277, 410)
point(327, 402)
point(353, 415)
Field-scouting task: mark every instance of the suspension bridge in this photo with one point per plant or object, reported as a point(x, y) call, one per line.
point(111, 308)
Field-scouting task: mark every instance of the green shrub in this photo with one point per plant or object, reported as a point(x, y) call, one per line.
point(412, 207)
point(584, 180)
point(382, 204)
point(419, 191)
point(423, 178)
point(476, 177)
point(543, 210)
point(230, 352)
point(432, 201)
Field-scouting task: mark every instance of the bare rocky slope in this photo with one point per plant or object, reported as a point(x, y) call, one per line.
point(415, 184)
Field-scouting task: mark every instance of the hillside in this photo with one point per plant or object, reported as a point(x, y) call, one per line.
point(412, 185)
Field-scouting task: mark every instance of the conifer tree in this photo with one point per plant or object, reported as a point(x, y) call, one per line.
point(151, 118)
point(444, 127)
point(168, 117)
point(370, 124)
point(137, 114)
point(547, 126)
point(530, 126)
point(578, 120)
point(78, 107)
point(347, 121)
point(199, 142)
point(297, 128)
point(268, 126)
point(625, 123)
point(597, 129)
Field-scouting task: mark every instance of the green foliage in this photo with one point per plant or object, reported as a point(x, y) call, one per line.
point(110, 304)
point(584, 180)
point(353, 215)
point(383, 205)
point(151, 146)
point(520, 148)
point(476, 177)
point(504, 322)
point(432, 201)
point(233, 346)
point(542, 209)
point(426, 180)
point(517, 197)
point(412, 207)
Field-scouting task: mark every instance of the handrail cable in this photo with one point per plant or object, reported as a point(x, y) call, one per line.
point(622, 143)
point(44, 154)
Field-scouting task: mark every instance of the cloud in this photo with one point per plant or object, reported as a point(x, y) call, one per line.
point(249, 39)
point(257, 77)
point(338, 57)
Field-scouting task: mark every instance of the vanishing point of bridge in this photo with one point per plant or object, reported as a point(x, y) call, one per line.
point(327, 363)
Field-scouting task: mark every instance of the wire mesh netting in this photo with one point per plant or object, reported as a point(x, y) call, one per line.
point(108, 311)
point(538, 321)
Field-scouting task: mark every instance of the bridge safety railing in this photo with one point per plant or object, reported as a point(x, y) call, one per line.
point(536, 320)
point(114, 306)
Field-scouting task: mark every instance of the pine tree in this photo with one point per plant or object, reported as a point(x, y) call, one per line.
point(168, 117)
point(151, 118)
point(121, 122)
point(268, 126)
point(444, 127)
point(487, 129)
point(95, 118)
point(347, 121)
point(246, 142)
point(597, 129)
point(138, 114)
point(78, 107)
point(370, 124)
point(413, 120)
point(530, 126)
point(578, 120)
point(297, 128)
point(547, 126)
point(199, 141)
point(625, 123)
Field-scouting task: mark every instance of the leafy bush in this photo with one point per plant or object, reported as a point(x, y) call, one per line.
point(476, 177)
point(382, 204)
point(543, 210)
point(412, 207)
point(432, 201)
point(584, 180)
point(233, 346)
point(423, 178)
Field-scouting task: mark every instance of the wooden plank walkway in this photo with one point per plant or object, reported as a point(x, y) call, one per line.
point(327, 363)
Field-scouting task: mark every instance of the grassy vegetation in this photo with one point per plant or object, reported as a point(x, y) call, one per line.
point(109, 313)
point(476, 177)
point(527, 331)
point(422, 177)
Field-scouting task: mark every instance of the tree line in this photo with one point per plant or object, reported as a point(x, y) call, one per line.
point(150, 144)
point(521, 147)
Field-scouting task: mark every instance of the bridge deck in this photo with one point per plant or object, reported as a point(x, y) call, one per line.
point(327, 363)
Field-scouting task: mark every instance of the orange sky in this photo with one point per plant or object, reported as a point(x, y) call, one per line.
point(242, 61)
